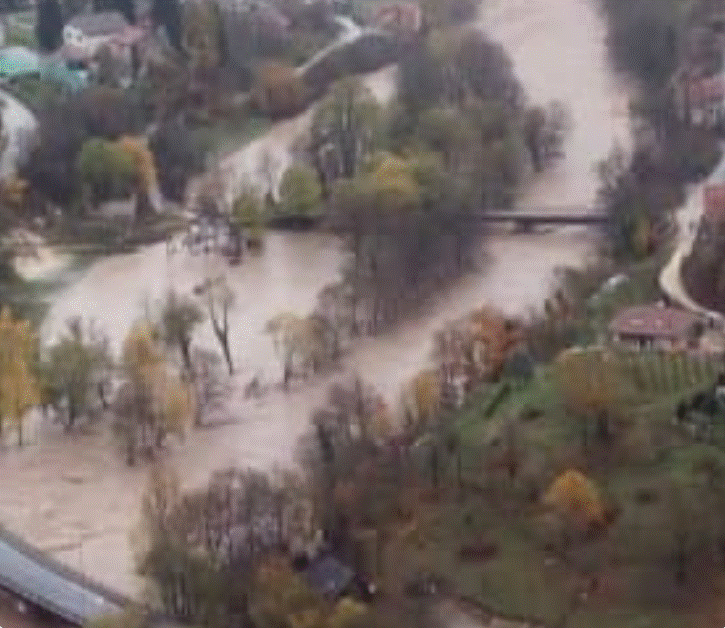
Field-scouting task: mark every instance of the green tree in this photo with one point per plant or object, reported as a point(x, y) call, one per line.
point(126, 8)
point(300, 191)
point(201, 39)
point(126, 619)
point(591, 385)
point(278, 90)
point(49, 25)
point(166, 13)
point(247, 212)
point(105, 169)
point(77, 366)
point(447, 132)
point(179, 316)
point(346, 123)
point(154, 401)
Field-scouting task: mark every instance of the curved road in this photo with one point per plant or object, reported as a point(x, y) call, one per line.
point(688, 219)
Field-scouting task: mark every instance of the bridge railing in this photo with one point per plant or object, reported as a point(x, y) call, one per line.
point(67, 573)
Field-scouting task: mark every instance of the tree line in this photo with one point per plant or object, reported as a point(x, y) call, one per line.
point(398, 182)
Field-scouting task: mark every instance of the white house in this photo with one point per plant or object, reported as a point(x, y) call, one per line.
point(91, 31)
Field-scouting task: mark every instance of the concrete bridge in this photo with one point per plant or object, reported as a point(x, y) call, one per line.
point(34, 577)
point(523, 219)
point(527, 218)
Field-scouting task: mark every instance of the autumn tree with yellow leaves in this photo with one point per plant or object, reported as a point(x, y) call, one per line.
point(154, 401)
point(423, 397)
point(574, 496)
point(19, 390)
point(590, 383)
point(303, 340)
point(494, 336)
point(145, 180)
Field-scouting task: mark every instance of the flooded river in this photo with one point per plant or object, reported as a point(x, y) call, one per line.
point(74, 496)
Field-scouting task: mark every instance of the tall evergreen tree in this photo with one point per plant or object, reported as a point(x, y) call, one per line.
point(167, 13)
point(49, 25)
point(127, 8)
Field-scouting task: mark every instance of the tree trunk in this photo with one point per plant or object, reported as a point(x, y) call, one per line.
point(227, 353)
point(680, 561)
point(603, 427)
point(184, 345)
point(72, 414)
point(434, 470)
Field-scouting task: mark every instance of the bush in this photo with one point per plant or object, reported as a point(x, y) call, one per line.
point(478, 553)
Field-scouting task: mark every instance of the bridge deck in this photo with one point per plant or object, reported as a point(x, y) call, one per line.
point(37, 578)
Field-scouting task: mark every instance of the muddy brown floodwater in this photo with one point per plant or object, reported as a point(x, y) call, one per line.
point(73, 495)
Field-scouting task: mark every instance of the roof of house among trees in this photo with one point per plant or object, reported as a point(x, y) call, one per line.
point(18, 61)
point(99, 24)
point(329, 576)
point(714, 204)
point(706, 90)
point(654, 321)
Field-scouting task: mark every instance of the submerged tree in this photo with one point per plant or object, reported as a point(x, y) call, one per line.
point(220, 300)
point(77, 370)
point(18, 384)
point(201, 549)
point(153, 402)
point(179, 316)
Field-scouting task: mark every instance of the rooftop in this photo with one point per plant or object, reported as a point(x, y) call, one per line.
point(329, 576)
point(18, 61)
point(714, 204)
point(99, 24)
point(654, 320)
point(706, 90)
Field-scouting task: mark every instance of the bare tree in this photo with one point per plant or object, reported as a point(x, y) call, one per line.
point(220, 299)
point(210, 385)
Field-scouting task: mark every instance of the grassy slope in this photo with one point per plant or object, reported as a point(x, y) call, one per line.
point(520, 581)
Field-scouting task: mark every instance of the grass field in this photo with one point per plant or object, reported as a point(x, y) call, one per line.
point(524, 579)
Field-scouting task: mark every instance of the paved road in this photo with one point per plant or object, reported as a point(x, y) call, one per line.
point(688, 218)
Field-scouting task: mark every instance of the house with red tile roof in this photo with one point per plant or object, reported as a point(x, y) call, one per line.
point(714, 205)
point(706, 100)
point(400, 17)
point(656, 327)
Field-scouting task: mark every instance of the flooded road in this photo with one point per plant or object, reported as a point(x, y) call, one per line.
point(74, 496)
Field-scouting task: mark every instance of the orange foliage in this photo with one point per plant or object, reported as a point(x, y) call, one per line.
point(495, 336)
point(14, 193)
point(427, 391)
point(143, 159)
point(575, 496)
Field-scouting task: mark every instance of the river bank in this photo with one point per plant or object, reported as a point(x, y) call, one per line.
point(74, 496)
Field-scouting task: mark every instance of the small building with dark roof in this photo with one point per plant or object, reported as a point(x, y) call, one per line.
point(329, 577)
point(656, 327)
